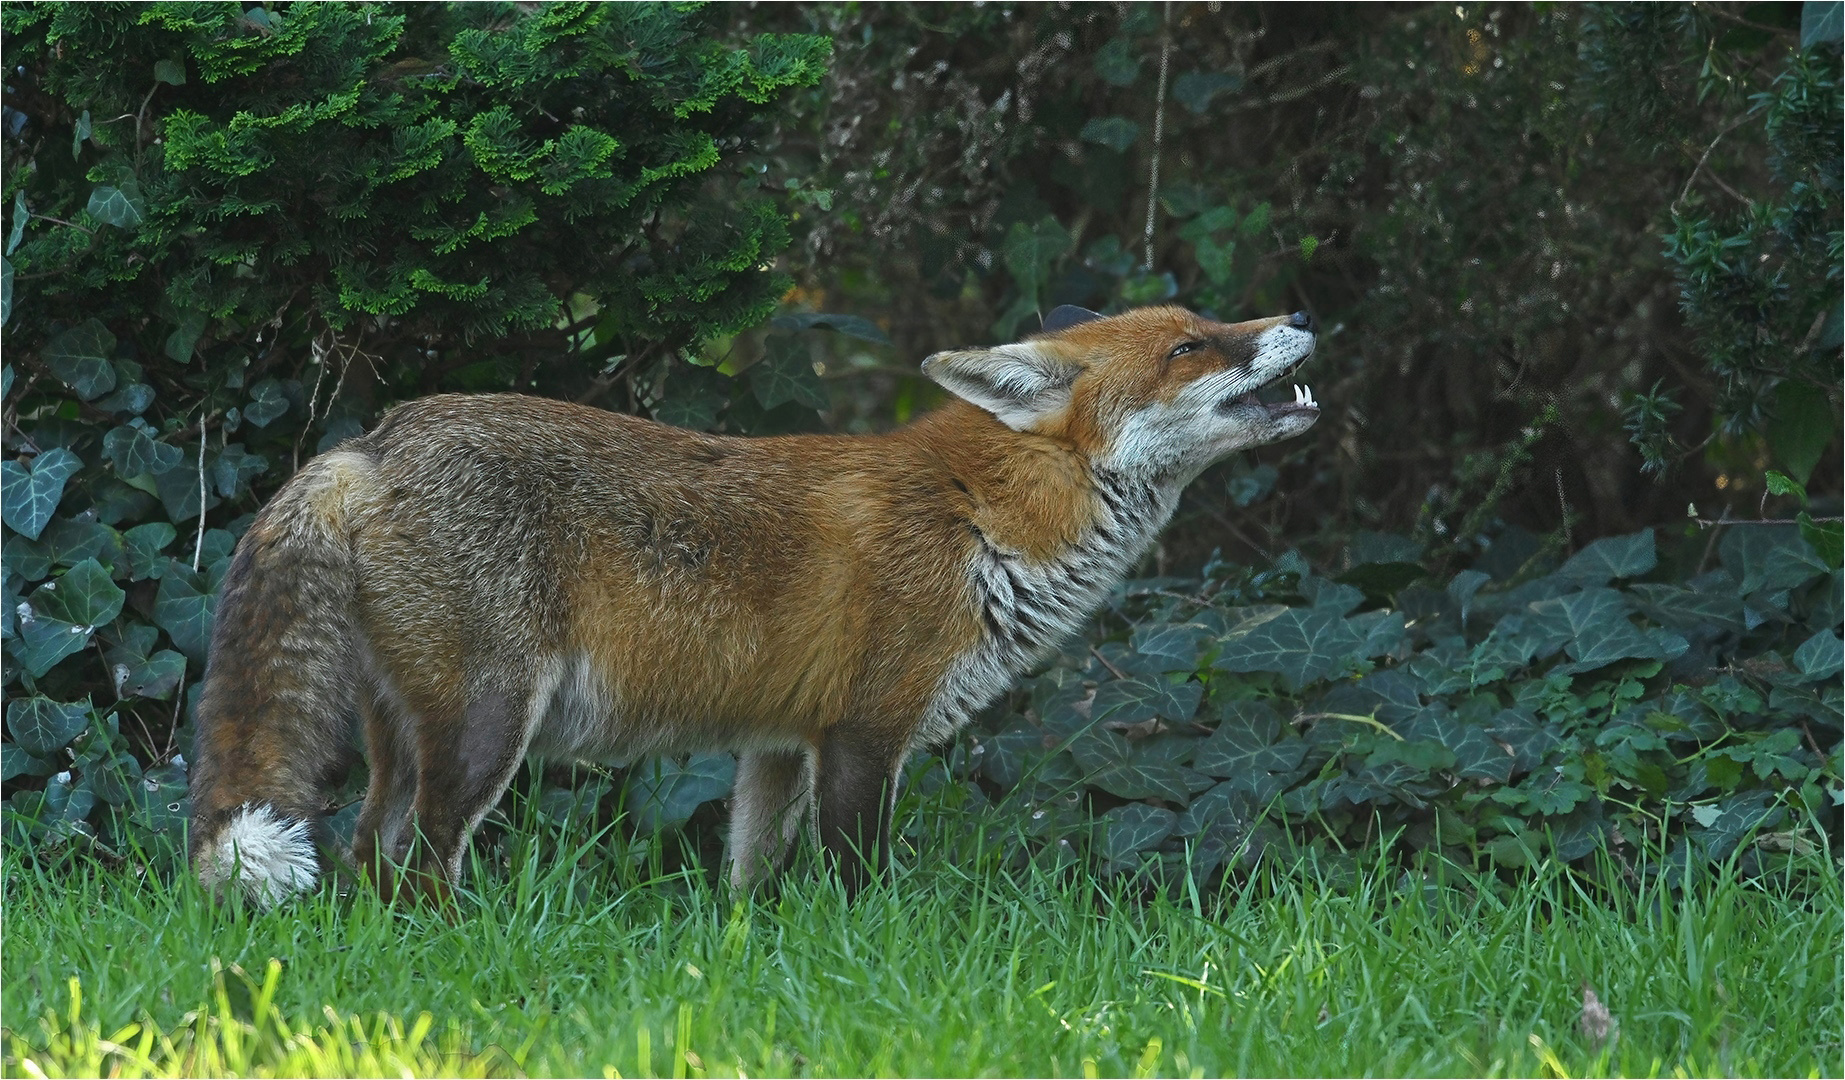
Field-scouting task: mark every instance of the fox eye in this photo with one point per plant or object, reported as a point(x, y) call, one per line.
point(1181, 350)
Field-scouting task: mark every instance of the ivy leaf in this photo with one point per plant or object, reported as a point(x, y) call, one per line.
point(1826, 537)
point(786, 373)
point(1768, 558)
point(856, 326)
point(185, 337)
point(1612, 557)
point(26, 560)
point(1131, 701)
point(559, 805)
point(1174, 646)
point(1300, 644)
point(1780, 483)
point(1195, 89)
point(114, 778)
point(1116, 63)
point(1118, 767)
point(42, 727)
point(1519, 732)
point(1821, 656)
point(79, 132)
point(234, 468)
point(30, 495)
point(63, 614)
point(159, 800)
point(1604, 643)
point(1463, 587)
point(6, 294)
point(1801, 429)
point(1383, 579)
point(1131, 829)
point(1382, 632)
point(1476, 756)
point(184, 606)
point(142, 546)
point(1115, 132)
point(1593, 628)
point(1820, 20)
point(137, 672)
point(16, 762)
point(134, 397)
point(135, 452)
point(1005, 756)
point(1251, 751)
point(1687, 609)
point(1736, 817)
point(1551, 793)
point(80, 357)
point(172, 72)
point(1030, 252)
point(1321, 593)
point(662, 793)
point(179, 490)
point(122, 207)
point(68, 541)
point(694, 397)
point(267, 404)
point(21, 215)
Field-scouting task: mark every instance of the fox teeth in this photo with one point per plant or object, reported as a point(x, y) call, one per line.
point(1303, 395)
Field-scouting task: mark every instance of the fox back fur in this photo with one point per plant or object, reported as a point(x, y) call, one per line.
point(482, 578)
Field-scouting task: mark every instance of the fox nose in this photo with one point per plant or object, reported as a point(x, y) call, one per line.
point(1300, 320)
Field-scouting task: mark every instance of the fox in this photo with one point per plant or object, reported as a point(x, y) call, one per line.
point(480, 579)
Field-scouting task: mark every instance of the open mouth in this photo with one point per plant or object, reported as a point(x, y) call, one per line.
point(1303, 400)
point(1280, 404)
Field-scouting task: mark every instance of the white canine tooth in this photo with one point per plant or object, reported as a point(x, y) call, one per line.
point(1297, 393)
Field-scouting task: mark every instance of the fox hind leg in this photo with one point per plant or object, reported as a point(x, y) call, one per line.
point(464, 763)
point(382, 836)
point(774, 791)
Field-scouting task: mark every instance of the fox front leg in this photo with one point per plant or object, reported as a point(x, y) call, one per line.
point(857, 790)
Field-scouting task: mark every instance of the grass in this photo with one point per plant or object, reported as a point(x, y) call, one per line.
point(580, 962)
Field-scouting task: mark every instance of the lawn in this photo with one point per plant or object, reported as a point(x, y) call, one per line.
point(589, 963)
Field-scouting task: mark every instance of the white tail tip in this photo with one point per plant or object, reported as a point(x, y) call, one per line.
point(269, 857)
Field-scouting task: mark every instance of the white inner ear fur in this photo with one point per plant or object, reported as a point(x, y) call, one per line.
point(1019, 384)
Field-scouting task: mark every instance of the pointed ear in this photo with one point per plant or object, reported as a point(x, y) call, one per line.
point(1065, 316)
point(1020, 384)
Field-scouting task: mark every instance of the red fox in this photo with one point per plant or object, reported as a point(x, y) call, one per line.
point(483, 578)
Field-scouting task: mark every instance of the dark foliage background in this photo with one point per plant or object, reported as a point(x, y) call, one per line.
point(1579, 269)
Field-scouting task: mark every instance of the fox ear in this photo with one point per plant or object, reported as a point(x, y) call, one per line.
point(1064, 316)
point(1020, 384)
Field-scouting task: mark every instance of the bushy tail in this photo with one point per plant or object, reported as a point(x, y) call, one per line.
point(279, 687)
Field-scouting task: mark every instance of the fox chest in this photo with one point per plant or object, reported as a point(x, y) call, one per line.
point(1028, 607)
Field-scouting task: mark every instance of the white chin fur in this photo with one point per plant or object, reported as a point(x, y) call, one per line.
point(270, 857)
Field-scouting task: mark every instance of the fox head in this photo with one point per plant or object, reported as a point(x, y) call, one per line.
point(1157, 392)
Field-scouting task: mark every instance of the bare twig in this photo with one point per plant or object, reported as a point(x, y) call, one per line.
point(1276, 63)
point(1705, 523)
point(1709, 9)
point(1564, 504)
point(1103, 660)
point(198, 545)
point(1159, 135)
point(1284, 96)
point(1686, 190)
point(68, 224)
